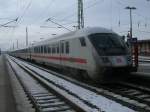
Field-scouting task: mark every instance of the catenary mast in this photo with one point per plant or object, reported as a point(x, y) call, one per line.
point(80, 14)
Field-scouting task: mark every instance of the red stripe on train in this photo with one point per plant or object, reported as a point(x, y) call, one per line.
point(70, 59)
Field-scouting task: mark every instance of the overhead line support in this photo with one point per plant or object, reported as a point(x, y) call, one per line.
point(80, 14)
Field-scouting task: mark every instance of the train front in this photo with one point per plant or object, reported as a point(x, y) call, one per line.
point(113, 57)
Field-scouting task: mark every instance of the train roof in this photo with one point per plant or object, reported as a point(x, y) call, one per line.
point(75, 34)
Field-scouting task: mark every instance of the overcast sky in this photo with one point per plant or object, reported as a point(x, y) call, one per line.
point(34, 13)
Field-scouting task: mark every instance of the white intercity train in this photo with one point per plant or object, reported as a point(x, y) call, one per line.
point(89, 53)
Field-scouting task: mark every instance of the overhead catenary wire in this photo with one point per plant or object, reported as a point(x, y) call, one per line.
point(19, 18)
point(85, 8)
point(47, 7)
point(62, 12)
point(44, 11)
point(49, 19)
point(22, 15)
point(70, 16)
point(4, 25)
point(142, 31)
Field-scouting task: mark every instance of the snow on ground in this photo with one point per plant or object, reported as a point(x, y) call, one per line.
point(101, 102)
point(27, 81)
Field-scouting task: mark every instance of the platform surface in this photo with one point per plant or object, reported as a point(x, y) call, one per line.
point(7, 102)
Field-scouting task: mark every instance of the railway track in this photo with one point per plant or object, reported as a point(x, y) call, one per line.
point(137, 96)
point(134, 96)
point(124, 102)
point(42, 99)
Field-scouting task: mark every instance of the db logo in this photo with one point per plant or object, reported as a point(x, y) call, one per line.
point(119, 60)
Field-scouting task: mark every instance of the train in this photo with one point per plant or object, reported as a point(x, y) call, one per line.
point(91, 53)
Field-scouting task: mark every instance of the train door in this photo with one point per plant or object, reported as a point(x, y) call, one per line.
point(61, 53)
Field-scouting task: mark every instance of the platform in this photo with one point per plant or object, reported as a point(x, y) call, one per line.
point(7, 102)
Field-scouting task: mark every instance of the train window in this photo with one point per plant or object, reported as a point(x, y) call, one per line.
point(49, 50)
point(82, 41)
point(41, 49)
point(53, 49)
point(67, 47)
point(37, 49)
point(45, 49)
point(62, 47)
point(34, 49)
point(57, 48)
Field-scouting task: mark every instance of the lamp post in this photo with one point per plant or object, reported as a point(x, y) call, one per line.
point(133, 42)
point(130, 8)
point(26, 36)
point(17, 43)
